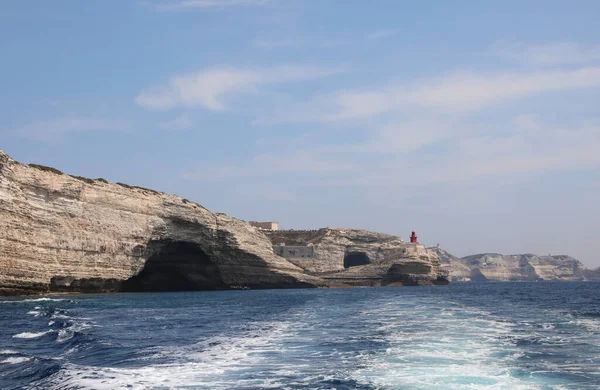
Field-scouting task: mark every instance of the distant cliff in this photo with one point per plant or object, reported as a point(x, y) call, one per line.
point(526, 267)
point(66, 233)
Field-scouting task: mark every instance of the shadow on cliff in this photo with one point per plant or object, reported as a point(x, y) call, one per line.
point(171, 266)
point(176, 266)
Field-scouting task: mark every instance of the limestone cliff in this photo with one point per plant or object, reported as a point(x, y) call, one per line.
point(497, 267)
point(360, 257)
point(457, 270)
point(65, 233)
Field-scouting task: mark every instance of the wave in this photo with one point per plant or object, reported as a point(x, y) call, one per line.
point(16, 360)
point(31, 335)
point(44, 299)
point(592, 325)
point(70, 331)
point(218, 362)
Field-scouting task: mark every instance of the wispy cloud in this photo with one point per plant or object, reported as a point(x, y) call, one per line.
point(380, 34)
point(453, 94)
point(181, 5)
point(548, 54)
point(461, 92)
point(56, 128)
point(302, 162)
point(181, 122)
point(276, 43)
point(518, 149)
point(209, 88)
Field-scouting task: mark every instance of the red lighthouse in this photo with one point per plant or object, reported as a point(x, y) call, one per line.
point(413, 237)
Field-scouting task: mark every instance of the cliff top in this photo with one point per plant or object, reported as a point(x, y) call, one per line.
point(5, 158)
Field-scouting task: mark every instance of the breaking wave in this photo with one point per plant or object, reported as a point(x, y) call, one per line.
point(31, 335)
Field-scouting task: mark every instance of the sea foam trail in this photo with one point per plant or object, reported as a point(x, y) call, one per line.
point(303, 351)
point(217, 363)
point(460, 337)
point(433, 348)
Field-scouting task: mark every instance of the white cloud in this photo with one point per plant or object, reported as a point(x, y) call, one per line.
point(181, 122)
point(209, 88)
point(460, 92)
point(180, 5)
point(302, 162)
point(53, 128)
point(393, 157)
point(380, 34)
point(549, 54)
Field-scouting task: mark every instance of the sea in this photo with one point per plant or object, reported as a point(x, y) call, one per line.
point(530, 335)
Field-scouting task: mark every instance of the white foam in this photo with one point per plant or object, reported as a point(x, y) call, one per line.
point(16, 360)
point(68, 333)
point(31, 335)
point(547, 326)
point(44, 299)
point(8, 352)
point(468, 350)
point(592, 325)
point(217, 362)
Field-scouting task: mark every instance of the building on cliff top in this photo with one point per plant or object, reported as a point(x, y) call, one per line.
point(265, 225)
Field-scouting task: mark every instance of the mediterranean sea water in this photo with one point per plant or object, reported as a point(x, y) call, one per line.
point(463, 336)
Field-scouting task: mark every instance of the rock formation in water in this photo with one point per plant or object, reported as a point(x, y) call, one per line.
point(527, 267)
point(361, 258)
point(66, 233)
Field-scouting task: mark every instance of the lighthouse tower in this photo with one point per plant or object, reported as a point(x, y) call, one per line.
point(413, 238)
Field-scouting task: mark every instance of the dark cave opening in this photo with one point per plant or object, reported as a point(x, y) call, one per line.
point(352, 259)
point(176, 266)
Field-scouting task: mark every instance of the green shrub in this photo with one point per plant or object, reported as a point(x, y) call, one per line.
point(138, 188)
point(46, 169)
point(84, 179)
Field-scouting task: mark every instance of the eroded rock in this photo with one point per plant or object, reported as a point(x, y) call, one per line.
point(65, 233)
point(361, 258)
point(527, 267)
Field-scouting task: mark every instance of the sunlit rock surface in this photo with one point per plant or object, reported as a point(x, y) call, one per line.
point(64, 233)
point(363, 258)
point(527, 267)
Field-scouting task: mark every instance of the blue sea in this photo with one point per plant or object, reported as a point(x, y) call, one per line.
point(540, 335)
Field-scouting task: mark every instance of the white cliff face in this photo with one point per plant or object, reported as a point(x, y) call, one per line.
point(497, 267)
point(492, 266)
point(59, 232)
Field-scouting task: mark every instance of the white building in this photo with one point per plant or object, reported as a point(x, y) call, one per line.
point(265, 225)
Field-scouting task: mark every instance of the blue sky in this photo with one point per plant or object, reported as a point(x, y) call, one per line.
point(475, 123)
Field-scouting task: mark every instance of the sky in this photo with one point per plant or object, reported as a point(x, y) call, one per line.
point(474, 123)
